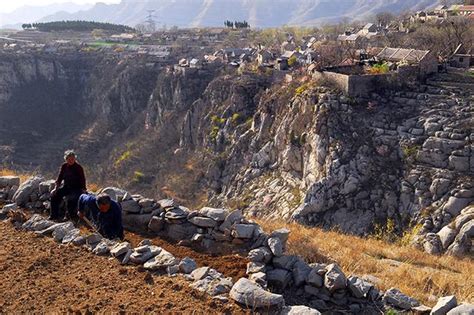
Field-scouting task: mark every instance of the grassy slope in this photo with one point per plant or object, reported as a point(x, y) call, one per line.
point(414, 272)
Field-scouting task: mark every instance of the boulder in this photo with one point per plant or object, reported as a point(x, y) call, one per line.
point(156, 224)
point(314, 278)
point(214, 213)
point(9, 181)
point(232, 218)
point(447, 236)
point(203, 222)
point(396, 298)
point(120, 249)
point(299, 310)
point(71, 236)
point(254, 267)
point(260, 278)
point(37, 223)
point(200, 273)
point(463, 242)
point(116, 194)
point(130, 206)
point(213, 286)
point(282, 234)
point(187, 265)
point(300, 272)
point(178, 232)
point(46, 186)
point(284, 262)
point(454, 205)
point(62, 230)
point(278, 278)
point(334, 279)
point(102, 249)
point(136, 222)
point(176, 213)
point(276, 245)
point(22, 195)
point(243, 231)
point(432, 244)
point(253, 296)
point(167, 203)
point(146, 203)
point(161, 261)
point(462, 309)
point(261, 254)
point(358, 287)
point(144, 253)
point(444, 305)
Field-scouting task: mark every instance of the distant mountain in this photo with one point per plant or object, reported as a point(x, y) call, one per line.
point(259, 13)
point(31, 13)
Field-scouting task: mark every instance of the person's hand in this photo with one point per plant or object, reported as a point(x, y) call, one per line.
point(80, 214)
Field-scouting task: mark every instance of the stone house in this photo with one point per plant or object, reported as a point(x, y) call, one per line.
point(423, 60)
point(462, 57)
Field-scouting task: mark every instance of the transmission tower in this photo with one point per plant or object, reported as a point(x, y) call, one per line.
point(150, 20)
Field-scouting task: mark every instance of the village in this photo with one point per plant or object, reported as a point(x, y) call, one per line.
point(357, 58)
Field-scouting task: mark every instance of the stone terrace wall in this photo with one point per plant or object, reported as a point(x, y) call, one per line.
point(320, 286)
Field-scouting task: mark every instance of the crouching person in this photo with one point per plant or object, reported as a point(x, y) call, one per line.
point(105, 213)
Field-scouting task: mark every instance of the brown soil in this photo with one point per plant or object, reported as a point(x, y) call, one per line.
point(41, 276)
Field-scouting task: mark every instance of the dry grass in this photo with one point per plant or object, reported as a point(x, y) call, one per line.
point(412, 271)
point(23, 176)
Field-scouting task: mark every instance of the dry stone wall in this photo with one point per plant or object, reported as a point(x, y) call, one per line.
point(271, 272)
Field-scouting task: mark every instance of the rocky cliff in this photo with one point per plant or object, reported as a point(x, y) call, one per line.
point(300, 151)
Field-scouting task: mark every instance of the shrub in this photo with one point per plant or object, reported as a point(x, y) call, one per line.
point(127, 155)
point(138, 177)
point(292, 61)
point(379, 68)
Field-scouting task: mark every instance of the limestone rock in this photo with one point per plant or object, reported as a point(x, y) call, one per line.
point(276, 246)
point(144, 253)
point(243, 231)
point(396, 298)
point(218, 215)
point(334, 278)
point(203, 222)
point(358, 287)
point(156, 224)
point(444, 305)
point(71, 236)
point(462, 309)
point(23, 193)
point(261, 254)
point(130, 206)
point(187, 265)
point(253, 296)
point(299, 310)
point(120, 249)
point(163, 260)
point(278, 278)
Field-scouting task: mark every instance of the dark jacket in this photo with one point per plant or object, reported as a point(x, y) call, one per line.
point(73, 177)
point(109, 223)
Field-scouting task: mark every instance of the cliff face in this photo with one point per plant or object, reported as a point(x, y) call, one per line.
point(297, 151)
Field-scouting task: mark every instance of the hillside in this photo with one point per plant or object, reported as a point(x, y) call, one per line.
point(261, 13)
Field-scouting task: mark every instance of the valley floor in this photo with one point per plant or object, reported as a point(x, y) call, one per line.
point(41, 276)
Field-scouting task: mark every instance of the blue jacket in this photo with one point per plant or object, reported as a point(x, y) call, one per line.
point(109, 223)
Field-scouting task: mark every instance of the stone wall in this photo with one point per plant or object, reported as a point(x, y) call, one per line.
point(271, 272)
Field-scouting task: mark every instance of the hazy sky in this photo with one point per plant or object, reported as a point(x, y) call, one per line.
point(10, 5)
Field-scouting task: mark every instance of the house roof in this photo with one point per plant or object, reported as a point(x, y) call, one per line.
point(368, 25)
point(440, 7)
point(462, 50)
point(402, 54)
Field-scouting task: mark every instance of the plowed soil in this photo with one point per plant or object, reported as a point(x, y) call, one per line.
point(41, 276)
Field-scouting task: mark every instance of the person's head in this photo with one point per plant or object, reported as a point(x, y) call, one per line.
point(103, 202)
point(70, 157)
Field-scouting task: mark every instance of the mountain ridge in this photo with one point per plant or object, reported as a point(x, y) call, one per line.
point(259, 13)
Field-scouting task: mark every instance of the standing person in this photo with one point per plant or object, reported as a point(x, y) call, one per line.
point(105, 213)
point(73, 180)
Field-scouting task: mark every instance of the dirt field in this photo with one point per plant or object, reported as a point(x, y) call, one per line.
point(41, 276)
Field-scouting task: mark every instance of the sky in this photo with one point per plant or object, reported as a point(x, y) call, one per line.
point(10, 5)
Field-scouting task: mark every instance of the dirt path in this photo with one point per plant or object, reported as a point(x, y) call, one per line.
point(39, 275)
